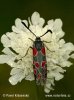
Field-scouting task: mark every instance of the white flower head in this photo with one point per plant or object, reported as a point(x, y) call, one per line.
point(16, 46)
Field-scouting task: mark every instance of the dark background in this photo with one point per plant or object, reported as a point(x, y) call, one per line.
point(48, 9)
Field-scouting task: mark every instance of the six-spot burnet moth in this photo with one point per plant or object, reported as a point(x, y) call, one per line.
point(39, 58)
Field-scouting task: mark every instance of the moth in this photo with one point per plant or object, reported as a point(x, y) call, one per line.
point(39, 58)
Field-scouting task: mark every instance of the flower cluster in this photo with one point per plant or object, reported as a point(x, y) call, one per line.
point(17, 42)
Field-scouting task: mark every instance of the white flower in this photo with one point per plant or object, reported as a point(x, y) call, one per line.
point(16, 44)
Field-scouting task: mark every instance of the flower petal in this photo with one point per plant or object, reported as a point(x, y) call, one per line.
point(68, 46)
point(60, 34)
point(14, 79)
point(72, 56)
point(35, 18)
point(58, 76)
point(8, 51)
point(4, 58)
point(16, 30)
point(30, 77)
point(16, 71)
point(18, 23)
point(57, 25)
point(50, 24)
point(6, 41)
point(41, 22)
point(65, 64)
point(46, 90)
point(48, 85)
point(61, 42)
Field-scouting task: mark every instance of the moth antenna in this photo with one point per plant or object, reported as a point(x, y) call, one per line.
point(46, 32)
point(28, 28)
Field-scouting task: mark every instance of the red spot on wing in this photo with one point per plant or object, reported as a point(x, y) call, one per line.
point(39, 76)
point(37, 64)
point(43, 50)
point(35, 71)
point(35, 52)
point(43, 63)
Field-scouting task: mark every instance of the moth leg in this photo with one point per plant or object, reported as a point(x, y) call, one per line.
point(28, 50)
point(16, 60)
point(31, 39)
point(47, 41)
point(48, 48)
